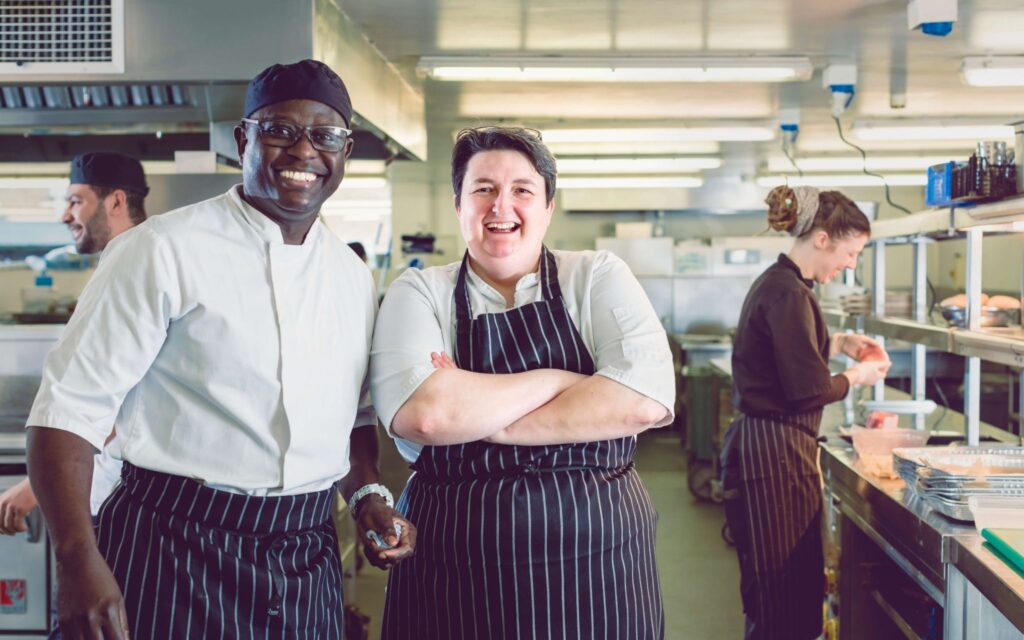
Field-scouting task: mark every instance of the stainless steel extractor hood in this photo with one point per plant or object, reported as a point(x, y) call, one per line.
point(187, 62)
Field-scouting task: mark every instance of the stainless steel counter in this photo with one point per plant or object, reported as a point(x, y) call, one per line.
point(933, 550)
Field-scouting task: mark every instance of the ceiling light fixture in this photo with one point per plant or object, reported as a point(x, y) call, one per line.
point(650, 165)
point(851, 180)
point(924, 130)
point(606, 69)
point(852, 163)
point(647, 182)
point(687, 134)
point(993, 71)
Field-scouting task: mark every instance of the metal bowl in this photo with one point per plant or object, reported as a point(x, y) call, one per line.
point(990, 316)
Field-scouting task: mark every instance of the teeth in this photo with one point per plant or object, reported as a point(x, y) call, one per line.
point(304, 176)
point(502, 226)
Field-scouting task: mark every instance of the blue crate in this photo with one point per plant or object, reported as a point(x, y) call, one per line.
point(940, 185)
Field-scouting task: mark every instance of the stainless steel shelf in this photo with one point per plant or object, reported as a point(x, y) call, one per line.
point(930, 335)
point(1004, 345)
point(928, 222)
point(1002, 212)
point(947, 222)
point(840, 320)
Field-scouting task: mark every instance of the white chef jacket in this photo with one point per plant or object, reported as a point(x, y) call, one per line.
point(223, 354)
point(606, 303)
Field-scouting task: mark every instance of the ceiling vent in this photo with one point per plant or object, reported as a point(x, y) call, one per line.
point(61, 36)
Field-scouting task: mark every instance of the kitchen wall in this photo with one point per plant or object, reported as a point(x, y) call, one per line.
point(13, 281)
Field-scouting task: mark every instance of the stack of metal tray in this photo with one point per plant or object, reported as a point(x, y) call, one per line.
point(945, 477)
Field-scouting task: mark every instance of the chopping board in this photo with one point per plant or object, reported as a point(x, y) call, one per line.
point(1009, 543)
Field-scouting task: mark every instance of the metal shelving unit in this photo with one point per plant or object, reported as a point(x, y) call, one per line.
point(1001, 345)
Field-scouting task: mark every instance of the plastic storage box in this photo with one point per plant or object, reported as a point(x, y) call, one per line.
point(997, 512)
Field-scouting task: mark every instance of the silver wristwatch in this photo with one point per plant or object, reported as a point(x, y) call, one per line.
point(366, 490)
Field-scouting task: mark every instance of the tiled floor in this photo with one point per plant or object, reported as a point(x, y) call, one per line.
point(699, 573)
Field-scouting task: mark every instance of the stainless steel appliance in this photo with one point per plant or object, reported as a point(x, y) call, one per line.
point(24, 568)
point(25, 564)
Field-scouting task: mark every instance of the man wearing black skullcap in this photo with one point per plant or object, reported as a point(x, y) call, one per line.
point(230, 341)
point(106, 196)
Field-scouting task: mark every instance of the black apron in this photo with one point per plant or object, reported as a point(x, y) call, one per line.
point(773, 507)
point(195, 562)
point(526, 542)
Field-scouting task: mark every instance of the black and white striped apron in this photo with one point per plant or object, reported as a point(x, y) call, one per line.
point(522, 542)
point(195, 562)
point(773, 506)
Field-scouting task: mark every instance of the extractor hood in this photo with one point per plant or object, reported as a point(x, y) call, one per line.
point(187, 62)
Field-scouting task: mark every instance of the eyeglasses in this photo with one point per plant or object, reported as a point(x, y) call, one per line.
point(277, 133)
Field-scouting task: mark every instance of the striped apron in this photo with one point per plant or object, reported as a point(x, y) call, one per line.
point(526, 542)
point(195, 562)
point(773, 506)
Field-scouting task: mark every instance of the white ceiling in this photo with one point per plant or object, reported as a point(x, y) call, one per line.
point(869, 33)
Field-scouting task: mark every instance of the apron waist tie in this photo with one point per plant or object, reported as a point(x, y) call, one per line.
point(520, 471)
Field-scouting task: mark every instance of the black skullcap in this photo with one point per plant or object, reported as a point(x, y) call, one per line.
point(304, 80)
point(108, 169)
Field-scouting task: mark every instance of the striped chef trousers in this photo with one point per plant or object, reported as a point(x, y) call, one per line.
point(195, 562)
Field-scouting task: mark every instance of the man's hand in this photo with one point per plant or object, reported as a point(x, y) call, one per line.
point(15, 504)
point(89, 602)
point(376, 515)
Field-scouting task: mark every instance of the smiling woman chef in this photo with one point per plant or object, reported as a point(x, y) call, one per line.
point(533, 522)
point(781, 384)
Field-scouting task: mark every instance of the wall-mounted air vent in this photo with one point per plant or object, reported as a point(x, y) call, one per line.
point(95, 96)
point(61, 36)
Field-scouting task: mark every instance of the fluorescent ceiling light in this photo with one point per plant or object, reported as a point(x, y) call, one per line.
point(851, 180)
point(998, 71)
point(604, 69)
point(718, 134)
point(852, 163)
point(621, 149)
point(636, 165)
point(881, 130)
point(660, 182)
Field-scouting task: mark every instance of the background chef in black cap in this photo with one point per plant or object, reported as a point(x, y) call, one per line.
point(229, 339)
point(106, 197)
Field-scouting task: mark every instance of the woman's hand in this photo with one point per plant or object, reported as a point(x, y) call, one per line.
point(442, 360)
point(860, 347)
point(868, 372)
point(376, 515)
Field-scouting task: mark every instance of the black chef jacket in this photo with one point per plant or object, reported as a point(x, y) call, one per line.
point(781, 352)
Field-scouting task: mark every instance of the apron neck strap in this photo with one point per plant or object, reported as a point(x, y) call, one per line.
point(548, 277)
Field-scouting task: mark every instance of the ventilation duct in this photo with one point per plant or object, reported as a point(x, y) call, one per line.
point(61, 36)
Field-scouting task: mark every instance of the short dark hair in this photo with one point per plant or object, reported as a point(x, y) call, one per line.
point(134, 199)
point(470, 142)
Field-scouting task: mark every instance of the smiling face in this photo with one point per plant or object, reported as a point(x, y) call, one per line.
point(835, 255)
point(503, 213)
point(289, 184)
point(86, 218)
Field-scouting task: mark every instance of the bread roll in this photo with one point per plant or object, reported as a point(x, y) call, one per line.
point(1004, 302)
point(959, 300)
